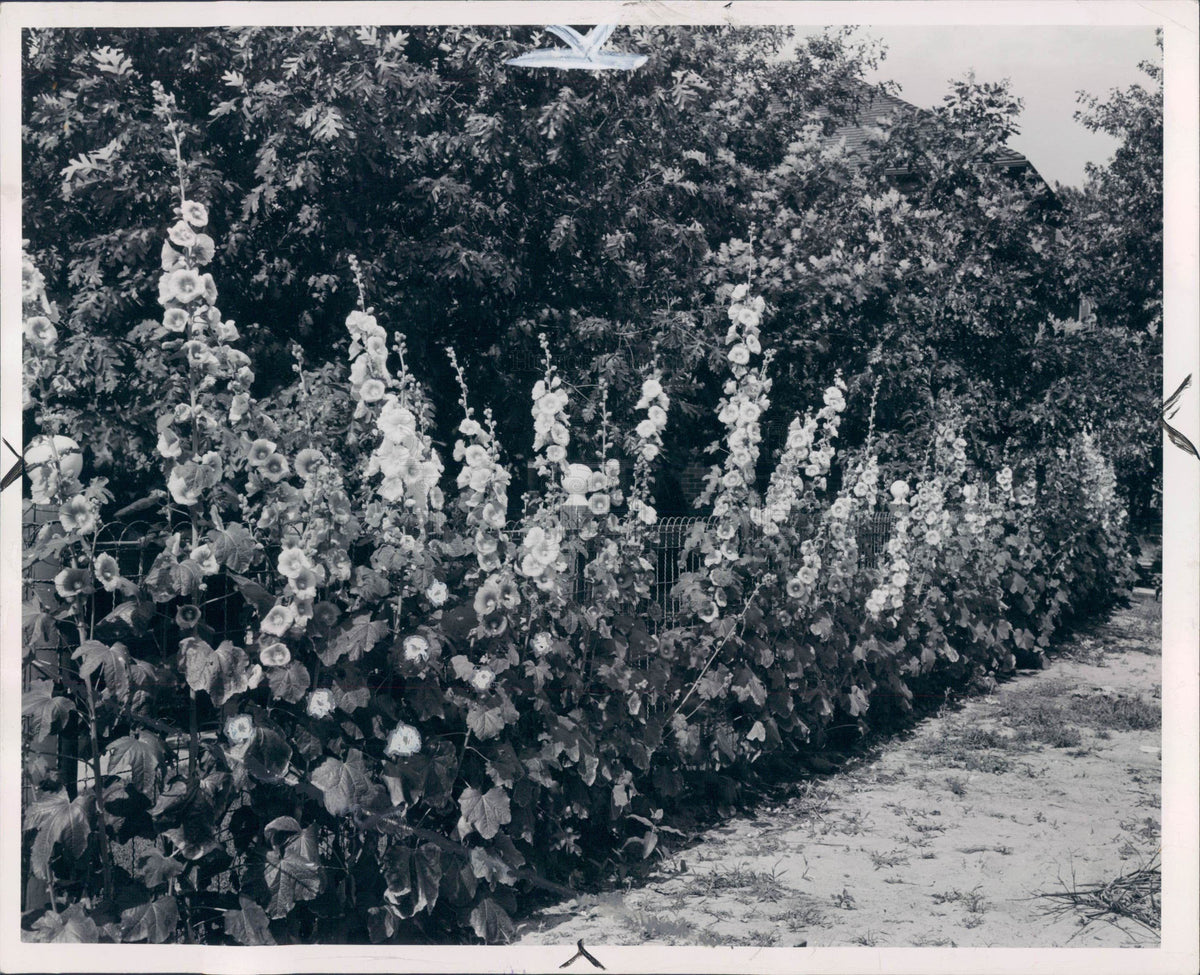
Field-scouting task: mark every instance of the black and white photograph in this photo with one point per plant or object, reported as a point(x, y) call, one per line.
point(700, 487)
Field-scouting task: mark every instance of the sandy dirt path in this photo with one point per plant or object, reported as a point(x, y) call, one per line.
point(945, 836)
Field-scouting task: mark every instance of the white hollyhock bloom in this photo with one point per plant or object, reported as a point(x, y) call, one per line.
point(404, 740)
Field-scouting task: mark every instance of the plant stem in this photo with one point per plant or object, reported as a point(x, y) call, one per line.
point(193, 739)
point(98, 787)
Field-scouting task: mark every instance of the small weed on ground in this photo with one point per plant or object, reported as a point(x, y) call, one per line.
point(760, 885)
point(895, 858)
point(648, 926)
point(800, 915)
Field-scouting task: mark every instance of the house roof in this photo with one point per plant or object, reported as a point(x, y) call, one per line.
point(880, 107)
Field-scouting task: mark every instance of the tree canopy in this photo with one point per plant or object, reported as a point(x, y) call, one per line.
point(489, 204)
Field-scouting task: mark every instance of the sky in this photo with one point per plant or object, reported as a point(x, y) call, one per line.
point(1047, 67)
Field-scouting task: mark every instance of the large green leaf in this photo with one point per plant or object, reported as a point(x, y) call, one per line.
point(267, 755)
point(485, 723)
point(249, 924)
point(281, 877)
point(111, 661)
point(72, 926)
point(485, 812)
point(233, 546)
point(358, 637)
point(413, 878)
point(155, 921)
point(58, 819)
point(289, 683)
point(344, 785)
point(46, 713)
point(140, 755)
point(491, 922)
point(222, 672)
point(156, 869)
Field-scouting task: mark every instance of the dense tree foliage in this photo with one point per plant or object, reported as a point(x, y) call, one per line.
point(490, 204)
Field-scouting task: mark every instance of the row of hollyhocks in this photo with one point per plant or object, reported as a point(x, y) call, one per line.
point(418, 688)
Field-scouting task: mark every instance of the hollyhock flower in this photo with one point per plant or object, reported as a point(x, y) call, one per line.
point(305, 583)
point(183, 285)
point(748, 317)
point(181, 235)
point(292, 561)
point(651, 391)
point(203, 249)
point(187, 617)
point(176, 320)
point(542, 643)
point(194, 213)
point(487, 598)
point(493, 515)
point(376, 347)
point(275, 655)
point(226, 332)
point(321, 703)
point(510, 595)
point(739, 355)
point(185, 492)
point(482, 679)
point(405, 740)
point(795, 588)
point(260, 451)
point(239, 406)
point(41, 331)
point(807, 575)
point(275, 468)
point(239, 729)
point(437, 593)
point(204, 557)
point(599, 504)
point(542, 545)
point(360, 321)
point(933, 537)
point(372, 391)
point(494, 625)
point(171, 258)
point(840, 509)
point(199, 355)
point(32, 281)
point(416, 648)
point(326, 613)
point(107, 572)
point(278, 620)
point(709, 611)
point(834, 399)
point(71, 583)
point(78, 515)
point(309, 461)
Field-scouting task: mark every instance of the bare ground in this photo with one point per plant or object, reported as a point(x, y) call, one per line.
point(949, 835)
